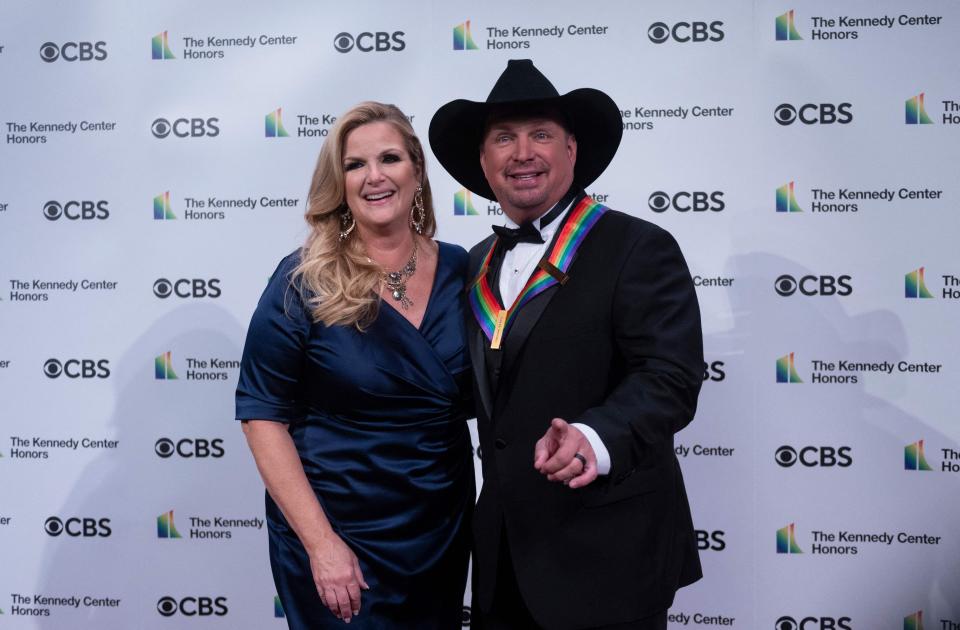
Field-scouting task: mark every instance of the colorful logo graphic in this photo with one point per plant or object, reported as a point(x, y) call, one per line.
point(914, 285)
point(916, 114)
point(786, 29)
point(463, 204)
point(161, 47)
point(914, 458)
point(787, 540)
point(273, 125)
point(163, 368)
point(786, 370)
point(914, 621)
point(161, 207)
point(165, 526)
point(277, 607)
point(462, 39)
point(786, 201)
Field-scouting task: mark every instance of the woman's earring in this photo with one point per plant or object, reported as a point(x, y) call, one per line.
point(347, 223)
point(417, 213)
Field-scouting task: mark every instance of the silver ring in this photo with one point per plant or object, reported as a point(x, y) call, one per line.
point(583, 460)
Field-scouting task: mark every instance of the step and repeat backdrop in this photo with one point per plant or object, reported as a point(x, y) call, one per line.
point(155, 163)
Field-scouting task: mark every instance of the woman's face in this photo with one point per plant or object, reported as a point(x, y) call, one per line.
point(379, 176)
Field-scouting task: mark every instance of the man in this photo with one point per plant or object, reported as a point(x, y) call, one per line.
point(587, 356)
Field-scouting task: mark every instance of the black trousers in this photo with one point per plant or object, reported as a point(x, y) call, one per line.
point(509, 612)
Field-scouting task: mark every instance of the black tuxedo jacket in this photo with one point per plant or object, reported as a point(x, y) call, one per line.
point(619, 348)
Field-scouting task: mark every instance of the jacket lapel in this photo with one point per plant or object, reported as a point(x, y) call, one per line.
point(477, 340)
point(477, 343)
point(523, 324)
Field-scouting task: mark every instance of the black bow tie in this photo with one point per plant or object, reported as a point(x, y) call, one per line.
point(509, 237)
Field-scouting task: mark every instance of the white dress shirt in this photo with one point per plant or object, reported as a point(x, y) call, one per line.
point(518, 265)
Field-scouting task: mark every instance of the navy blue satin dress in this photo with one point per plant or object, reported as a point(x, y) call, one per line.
point(379, 421)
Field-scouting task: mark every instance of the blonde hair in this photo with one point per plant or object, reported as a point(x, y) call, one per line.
point(338, 282)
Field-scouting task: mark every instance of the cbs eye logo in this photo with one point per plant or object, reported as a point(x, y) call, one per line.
point(77, 368)
point(813, 114)
point(162, 288)
point(683, 32)
point(73, 51)
point(343, 42)
point(167, 606)
point(812, 456)
point(813, 623)
point(370, 42)
point(786, 285)
point(52, 368)
point(686, 201)
point(185, 128)
point(78, 527)
point(192, 606)
point(161, 128)
point(76, 210)
point(53, 526)
point(187, 288)
point(465, 616)
point(189, 448)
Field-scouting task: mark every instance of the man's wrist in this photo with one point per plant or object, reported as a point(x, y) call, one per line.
point(603, 455)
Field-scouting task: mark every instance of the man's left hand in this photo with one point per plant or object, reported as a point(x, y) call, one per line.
point(555, 455)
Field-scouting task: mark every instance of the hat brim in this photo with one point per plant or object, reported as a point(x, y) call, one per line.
point(456, 133)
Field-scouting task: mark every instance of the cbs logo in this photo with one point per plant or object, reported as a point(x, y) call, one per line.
point(786, 285)
point(76, 210)
point(370, 42)
point(189, 447)
point(696, 201)
point(811, 456)
point(187, 288)
point(465, 617)
point(74, 51)
point(77, 368)
point(185, 127)
point(813, 114)
point(683, 32)
point(714, 371)
point(813, 623)
point(192, 606)
point(711, 541)
point(78, 527)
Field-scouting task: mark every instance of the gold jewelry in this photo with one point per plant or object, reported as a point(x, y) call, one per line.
point(347, 223)
point(396, 281)
point(417, 221)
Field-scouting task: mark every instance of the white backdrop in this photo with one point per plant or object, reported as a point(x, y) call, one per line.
point(97, 445)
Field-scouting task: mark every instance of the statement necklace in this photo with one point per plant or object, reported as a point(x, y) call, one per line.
point(396, 281)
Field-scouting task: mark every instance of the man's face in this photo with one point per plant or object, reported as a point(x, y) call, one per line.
point(528, 163)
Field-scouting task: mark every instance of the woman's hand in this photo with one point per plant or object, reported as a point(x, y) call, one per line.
point(337, 576)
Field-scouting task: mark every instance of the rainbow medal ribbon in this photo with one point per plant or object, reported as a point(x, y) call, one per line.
point(493, 318)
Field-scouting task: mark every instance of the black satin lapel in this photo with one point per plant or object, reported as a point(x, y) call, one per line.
point(523, 324)
point(477, 343)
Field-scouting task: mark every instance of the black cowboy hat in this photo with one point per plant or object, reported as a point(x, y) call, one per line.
point(456, 130)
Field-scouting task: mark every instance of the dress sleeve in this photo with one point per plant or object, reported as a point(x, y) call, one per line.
point(274, 355)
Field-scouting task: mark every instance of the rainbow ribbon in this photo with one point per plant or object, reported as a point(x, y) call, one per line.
point(487, 308)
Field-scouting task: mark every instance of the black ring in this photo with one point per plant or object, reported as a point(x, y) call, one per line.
point(583, 460)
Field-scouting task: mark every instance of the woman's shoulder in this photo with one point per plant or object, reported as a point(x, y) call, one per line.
point(453, 253)
point(282, 292)
point(287, 266)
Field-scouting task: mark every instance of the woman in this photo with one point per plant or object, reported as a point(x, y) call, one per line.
point(353, 394)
